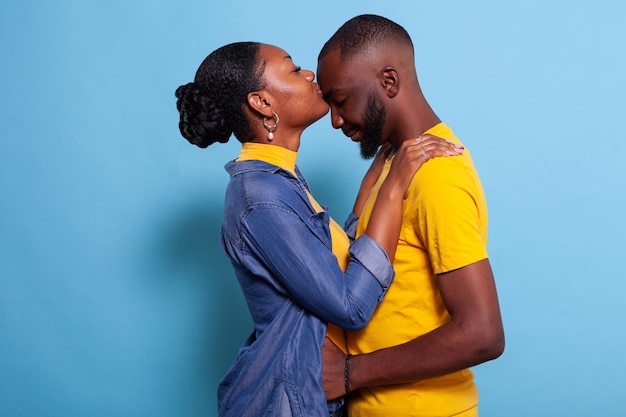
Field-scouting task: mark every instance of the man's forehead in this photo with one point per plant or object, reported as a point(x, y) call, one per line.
point(337, 74)
point(336, 68)
point(332, 79)
point(331, 59)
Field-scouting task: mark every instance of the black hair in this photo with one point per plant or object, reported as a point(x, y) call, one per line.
point(362, 32)
point(212, 106)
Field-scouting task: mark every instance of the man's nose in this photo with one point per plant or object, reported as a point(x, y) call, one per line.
point(336, 119)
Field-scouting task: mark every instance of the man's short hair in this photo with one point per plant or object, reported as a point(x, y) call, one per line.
point(362, 32)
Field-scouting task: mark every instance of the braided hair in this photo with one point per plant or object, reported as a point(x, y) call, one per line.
point(212, 106)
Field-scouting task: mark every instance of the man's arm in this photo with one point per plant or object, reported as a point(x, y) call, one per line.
point(473, 335)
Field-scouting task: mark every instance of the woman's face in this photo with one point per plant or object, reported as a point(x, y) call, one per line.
point(296, 98)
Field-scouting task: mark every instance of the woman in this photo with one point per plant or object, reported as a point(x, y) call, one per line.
point(297, 268)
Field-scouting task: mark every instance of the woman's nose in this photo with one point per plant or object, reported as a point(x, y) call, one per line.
point(309, 75)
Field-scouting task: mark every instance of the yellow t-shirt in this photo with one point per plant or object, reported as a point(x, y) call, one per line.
point(444, 228)
point(286, 159)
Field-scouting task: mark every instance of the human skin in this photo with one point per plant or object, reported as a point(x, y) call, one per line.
point(474, 333)
point(292, 93)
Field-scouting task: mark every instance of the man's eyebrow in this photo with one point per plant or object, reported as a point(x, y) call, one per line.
point(327, 95)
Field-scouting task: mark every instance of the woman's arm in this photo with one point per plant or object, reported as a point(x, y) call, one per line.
point(386, 219)
point(301, 265)
point(307, 269)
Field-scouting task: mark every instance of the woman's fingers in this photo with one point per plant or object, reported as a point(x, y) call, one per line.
point(412, 154)
point(426, 147)
point(432, 146)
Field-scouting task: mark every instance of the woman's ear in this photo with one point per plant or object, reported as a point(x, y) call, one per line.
point(390, 81)
point(260, 102)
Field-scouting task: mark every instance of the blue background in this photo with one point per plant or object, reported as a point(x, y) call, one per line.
point(115, 298)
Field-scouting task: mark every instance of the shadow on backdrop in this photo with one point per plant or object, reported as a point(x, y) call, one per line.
point(188, 272)
point(189, 263)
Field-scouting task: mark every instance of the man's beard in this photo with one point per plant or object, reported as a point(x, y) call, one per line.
point(373, 123)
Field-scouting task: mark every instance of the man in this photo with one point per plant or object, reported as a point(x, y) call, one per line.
point(441, 314)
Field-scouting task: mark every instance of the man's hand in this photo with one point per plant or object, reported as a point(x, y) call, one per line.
point(333, 362)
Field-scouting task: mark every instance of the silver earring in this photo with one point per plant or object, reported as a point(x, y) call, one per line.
point(272, 128)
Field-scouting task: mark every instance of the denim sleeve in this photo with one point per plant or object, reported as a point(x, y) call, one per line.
point(308, 271)
point(367, 252)
point(350, 226)
point(362, 250)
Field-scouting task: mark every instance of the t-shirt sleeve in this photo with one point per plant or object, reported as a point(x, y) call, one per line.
point(449, 221)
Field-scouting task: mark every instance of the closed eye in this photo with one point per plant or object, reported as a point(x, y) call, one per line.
point(339, 103)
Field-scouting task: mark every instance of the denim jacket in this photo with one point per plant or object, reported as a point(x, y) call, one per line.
point(280, 249)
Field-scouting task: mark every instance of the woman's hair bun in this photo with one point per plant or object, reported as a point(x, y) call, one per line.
point(202, 122)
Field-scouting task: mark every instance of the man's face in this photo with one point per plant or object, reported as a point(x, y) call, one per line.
point(355, 105)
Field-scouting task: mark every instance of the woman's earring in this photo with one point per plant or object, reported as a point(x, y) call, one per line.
point(272, 128)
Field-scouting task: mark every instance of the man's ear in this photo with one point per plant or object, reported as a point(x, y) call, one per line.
point(260, 102)
point(390, 81)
